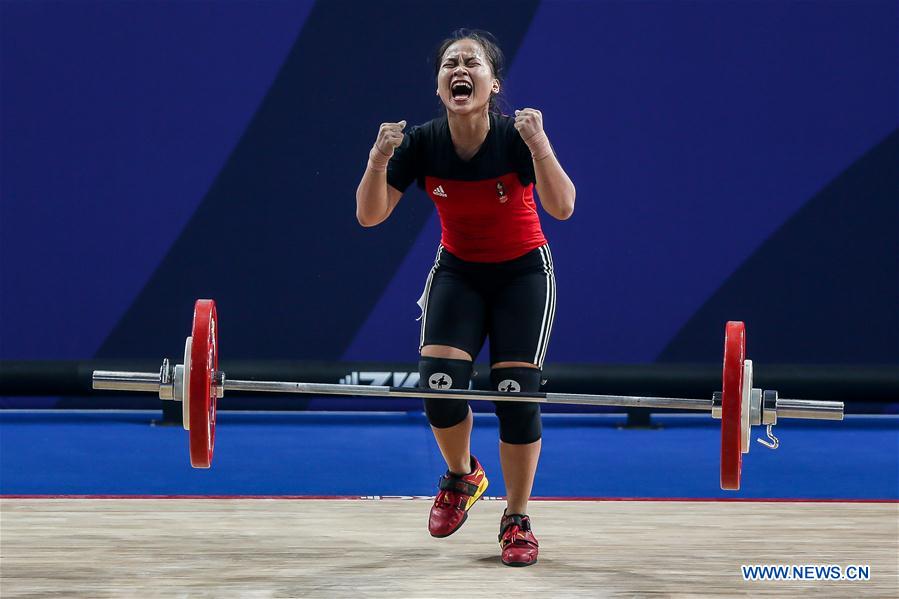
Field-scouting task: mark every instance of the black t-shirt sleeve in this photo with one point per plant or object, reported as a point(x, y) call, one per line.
point(405, 164)
point(521, 157)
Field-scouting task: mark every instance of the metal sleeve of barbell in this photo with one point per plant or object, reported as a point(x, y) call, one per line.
point(809, 409)
point(115, 380)
point(417, 393)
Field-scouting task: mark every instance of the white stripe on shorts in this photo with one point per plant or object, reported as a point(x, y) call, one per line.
point(425, 295)
point(549, 307)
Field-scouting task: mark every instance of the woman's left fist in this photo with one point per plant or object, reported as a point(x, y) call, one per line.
point(529, 123)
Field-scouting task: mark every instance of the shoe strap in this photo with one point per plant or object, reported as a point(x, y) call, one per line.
point(521, 521)
point(457, 500)
point(457, 485)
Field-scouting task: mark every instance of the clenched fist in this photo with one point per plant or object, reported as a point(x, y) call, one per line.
point(390, 136)
point(529, 123)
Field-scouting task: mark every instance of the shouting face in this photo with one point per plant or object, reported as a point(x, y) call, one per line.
point(465, 80)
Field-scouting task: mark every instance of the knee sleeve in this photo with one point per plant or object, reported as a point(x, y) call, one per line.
point(444, 373)
point(519, 422)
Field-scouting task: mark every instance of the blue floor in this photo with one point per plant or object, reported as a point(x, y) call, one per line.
point(395, 454)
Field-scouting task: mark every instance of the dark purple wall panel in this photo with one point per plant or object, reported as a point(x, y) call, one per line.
point(693, 131)
point(116, 118)
point(153, 152)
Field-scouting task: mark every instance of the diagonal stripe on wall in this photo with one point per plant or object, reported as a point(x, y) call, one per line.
point(275, 240)
point(826, 284)
point(116, 118)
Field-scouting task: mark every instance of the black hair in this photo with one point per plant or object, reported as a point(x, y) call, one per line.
point(493, 52)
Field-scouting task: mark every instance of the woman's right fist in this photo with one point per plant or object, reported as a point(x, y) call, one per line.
point(390, 136)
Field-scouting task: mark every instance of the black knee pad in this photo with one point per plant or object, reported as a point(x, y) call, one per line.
point(444, 373)
point(519, 422)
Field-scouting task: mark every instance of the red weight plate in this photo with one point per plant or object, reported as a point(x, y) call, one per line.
point(731, 405)
point(204, 362)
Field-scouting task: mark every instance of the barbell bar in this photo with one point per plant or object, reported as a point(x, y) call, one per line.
point(198, 384)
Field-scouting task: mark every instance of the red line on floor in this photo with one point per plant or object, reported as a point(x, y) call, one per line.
point(408, 497)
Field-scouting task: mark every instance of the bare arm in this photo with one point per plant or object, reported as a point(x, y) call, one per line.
point(556, 191)
point(375, 198)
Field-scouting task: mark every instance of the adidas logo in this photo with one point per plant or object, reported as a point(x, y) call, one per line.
point(438, 191)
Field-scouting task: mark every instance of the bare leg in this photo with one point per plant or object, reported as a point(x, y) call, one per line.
point(454, 441)
point(519, 466)
point(454, 445)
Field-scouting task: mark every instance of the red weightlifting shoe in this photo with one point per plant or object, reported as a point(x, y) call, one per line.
point(517, 541)
point(456, 495)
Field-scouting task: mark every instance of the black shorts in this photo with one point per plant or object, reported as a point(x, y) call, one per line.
point(513, 302)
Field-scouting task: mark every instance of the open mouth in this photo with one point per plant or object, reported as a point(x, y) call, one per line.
point(461, 90)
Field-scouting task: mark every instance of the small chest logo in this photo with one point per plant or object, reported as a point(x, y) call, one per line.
point(438, 191)
point(501, 192)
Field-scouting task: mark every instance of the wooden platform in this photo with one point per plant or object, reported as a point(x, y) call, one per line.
point(337, 548)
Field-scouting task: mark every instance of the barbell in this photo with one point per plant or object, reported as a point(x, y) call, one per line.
point(198, 384)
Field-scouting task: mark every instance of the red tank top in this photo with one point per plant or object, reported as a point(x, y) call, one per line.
point(492, 220)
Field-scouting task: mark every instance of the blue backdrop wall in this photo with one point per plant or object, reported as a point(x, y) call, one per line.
point(733, 160)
